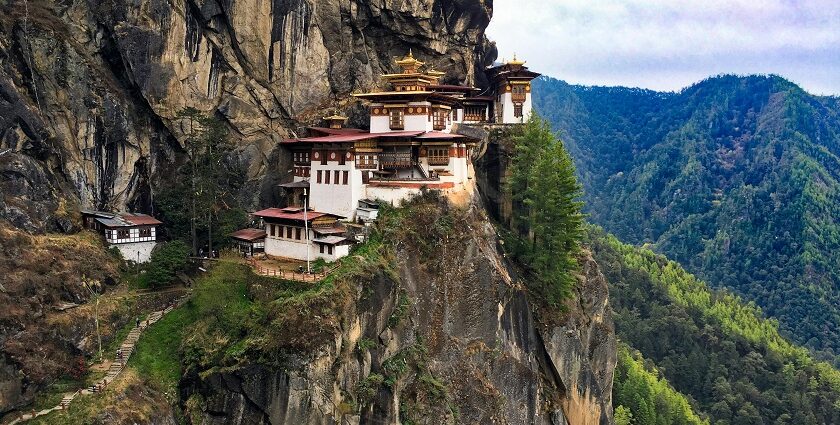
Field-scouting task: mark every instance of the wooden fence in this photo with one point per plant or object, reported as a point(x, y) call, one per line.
point(289, 274)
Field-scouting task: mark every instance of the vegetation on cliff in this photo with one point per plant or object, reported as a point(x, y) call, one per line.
point(547, 226)
point(735, 178)
point(732, 363)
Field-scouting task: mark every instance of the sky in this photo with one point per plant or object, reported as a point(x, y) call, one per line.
point(668, 45)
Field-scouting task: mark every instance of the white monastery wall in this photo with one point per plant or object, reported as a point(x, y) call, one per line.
point(136, 251)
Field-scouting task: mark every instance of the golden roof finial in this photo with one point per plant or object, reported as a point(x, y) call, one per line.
point(515, 61)
point(409, 64)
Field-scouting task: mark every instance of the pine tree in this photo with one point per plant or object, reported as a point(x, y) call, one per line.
point(549, 223)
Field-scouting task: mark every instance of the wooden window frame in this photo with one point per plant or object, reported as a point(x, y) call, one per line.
point(438, 156)
point(439, 119)
point(297, 233)
point(517, 110)
point(319, 176)
point(396, 119)
point(145, 232)
point(326, 176)
point(123, 233)
point(336, 176)
point(346, 177)
point(288, 232)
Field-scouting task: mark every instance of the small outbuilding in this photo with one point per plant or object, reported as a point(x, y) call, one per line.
point(134, 234)
point(249, 241)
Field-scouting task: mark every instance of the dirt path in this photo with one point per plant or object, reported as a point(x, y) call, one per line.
point(114, 369)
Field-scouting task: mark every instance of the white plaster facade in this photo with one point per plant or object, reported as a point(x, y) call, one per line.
point(139, 252)
point(335, 197)
point(506, 109)
point(281, 246)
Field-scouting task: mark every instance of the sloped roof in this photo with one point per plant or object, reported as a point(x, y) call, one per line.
point(280, 214)
point(248, 234)
point(109, 219)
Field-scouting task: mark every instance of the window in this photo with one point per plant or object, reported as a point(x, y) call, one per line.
point(145, 232)
point(272, 230)
point(329, 249)
point(327, 177)
point(396, 118)
point(346, 177)
point(365, 177)
point(288, 232)
point(438, 156)
point(297, 233)
point(517, 110)
point(341, 157)
point(319, 176)
point(323, 157)
point(322, 247)
point(122, 234)
point(335, 177)
point(366, 161)
point(439, 119)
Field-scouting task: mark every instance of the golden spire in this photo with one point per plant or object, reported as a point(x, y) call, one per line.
point(515, 61)
point(336, 120)
point(409, 64)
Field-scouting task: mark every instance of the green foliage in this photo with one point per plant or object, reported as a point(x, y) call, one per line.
point(735, 178)
point(548, 224)
point(167, 260)
point(400, 310)
point(711, 346)
point(157, 351)
point(367, 388)
point(365, 344)
point(199, 203)
point(643, 398)
point(622, 415)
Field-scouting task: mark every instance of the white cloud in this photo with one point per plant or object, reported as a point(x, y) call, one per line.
point(669, 44)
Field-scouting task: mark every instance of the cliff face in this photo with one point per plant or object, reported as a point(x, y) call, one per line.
point(450, 337)
point(90, 90)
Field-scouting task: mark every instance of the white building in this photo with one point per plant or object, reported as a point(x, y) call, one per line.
point(135, 235)
point(293, 233)
point(511, 83)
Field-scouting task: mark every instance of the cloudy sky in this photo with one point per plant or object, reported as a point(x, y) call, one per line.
point(667, 45)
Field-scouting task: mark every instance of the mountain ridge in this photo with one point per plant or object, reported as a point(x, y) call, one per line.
point(734, 177)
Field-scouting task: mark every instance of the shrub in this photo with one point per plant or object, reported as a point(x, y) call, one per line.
point(167, 260)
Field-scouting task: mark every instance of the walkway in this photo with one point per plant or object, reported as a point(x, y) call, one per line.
point(117, 366)
point(263, 270)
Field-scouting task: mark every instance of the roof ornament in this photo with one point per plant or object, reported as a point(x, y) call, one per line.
point(409, 64)
point(515, 61)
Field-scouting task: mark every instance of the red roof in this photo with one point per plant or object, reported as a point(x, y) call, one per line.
point(279, 213)
point(439, 135)
point(343, 138)
point(451, 87)
point(249, 234)
point(327, 130)
point(139, 219)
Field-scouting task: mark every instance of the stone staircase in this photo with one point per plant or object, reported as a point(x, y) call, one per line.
point(117, 366)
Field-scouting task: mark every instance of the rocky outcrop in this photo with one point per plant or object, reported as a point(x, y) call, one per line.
point(90, 90)
point(450, 338)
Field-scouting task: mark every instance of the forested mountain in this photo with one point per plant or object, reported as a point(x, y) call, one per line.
point(736, 178)
point(732, 364)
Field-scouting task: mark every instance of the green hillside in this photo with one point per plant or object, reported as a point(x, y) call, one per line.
point(736, 178)
point(713, 348)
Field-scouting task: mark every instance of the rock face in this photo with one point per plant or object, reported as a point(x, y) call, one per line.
point(90, 90)
point(450, 339)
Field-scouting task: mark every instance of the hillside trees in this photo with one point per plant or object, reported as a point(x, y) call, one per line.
point(711, 346)
point(548, 222)
point(735, 178)
point(200, 199)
